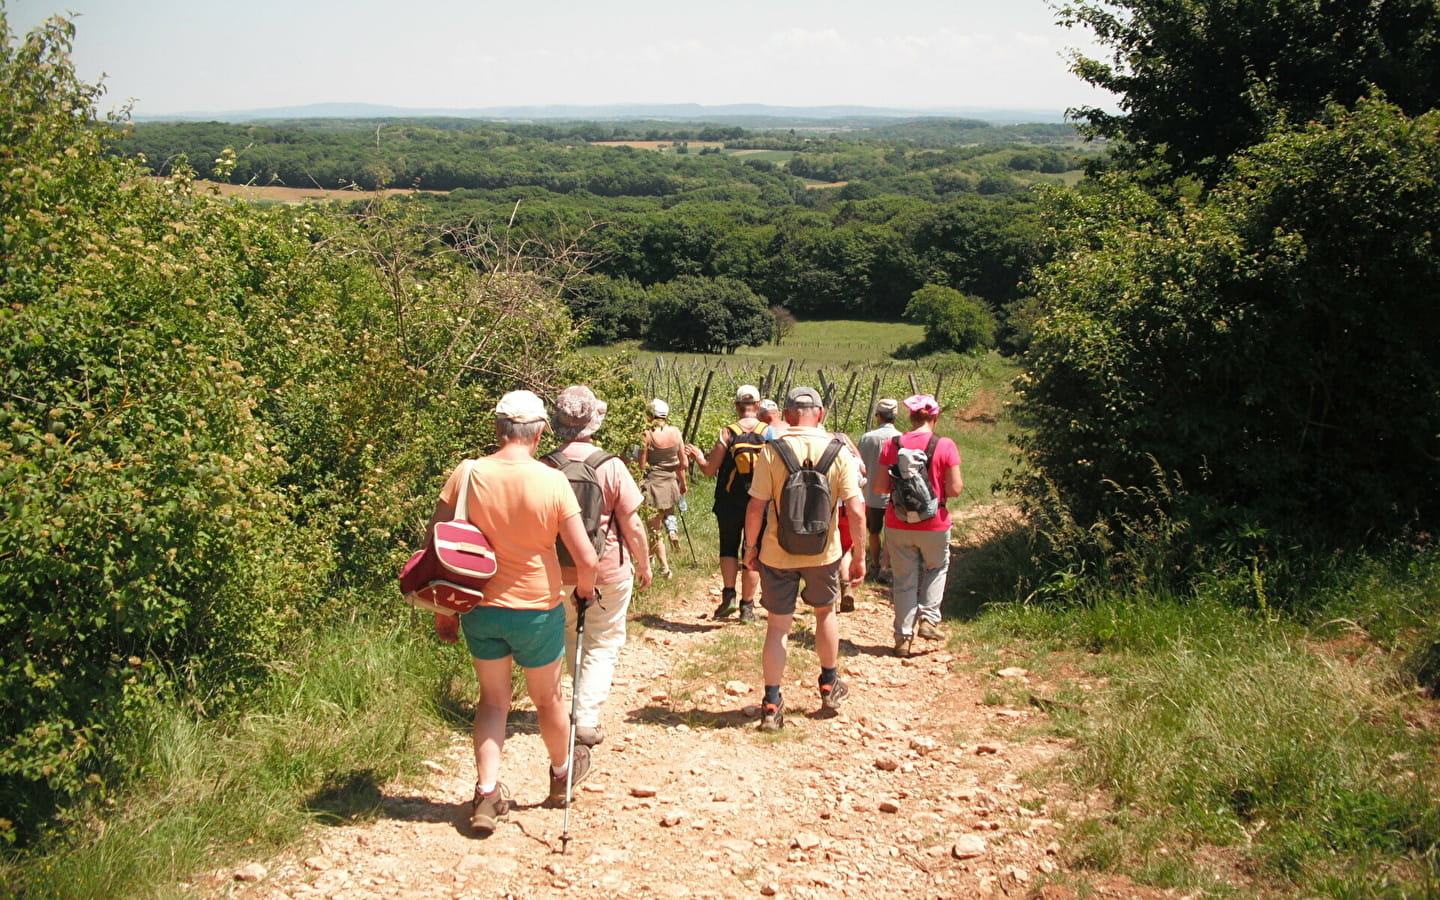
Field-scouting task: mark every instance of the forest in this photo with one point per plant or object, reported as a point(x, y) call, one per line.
point(222, 424)
point(836, 226)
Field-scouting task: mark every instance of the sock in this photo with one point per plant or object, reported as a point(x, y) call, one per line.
point(772, 694)
point(827, 676)
point(558, 773)
point(486, 789)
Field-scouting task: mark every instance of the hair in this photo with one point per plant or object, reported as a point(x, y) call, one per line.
point(920, 417)
point(510, 431)
point(747, 407)
point(885, 415)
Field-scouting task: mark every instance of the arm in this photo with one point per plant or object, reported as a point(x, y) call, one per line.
point(754, 521)
point(855, 510)
point(954, 484)
point(682, 472)
point(572, 532)
point(710, 465)
point(633, 534)
point(881, 481)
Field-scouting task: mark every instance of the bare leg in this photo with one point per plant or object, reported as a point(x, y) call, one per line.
point(543, 685)
point(749, 585)
point(827, 636)
point(490, 713)
point(662, 547)
point(777, 633)
point(729, 570)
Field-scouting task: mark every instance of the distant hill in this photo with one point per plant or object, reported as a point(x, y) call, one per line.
point(749, 115)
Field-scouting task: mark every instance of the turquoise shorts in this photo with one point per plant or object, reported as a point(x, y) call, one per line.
point(534, 637)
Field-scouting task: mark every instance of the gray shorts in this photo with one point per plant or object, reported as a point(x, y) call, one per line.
point(780, 587)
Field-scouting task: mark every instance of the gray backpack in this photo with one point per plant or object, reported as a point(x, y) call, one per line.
point(586, 485)
point(805, 507)
point(911, 493)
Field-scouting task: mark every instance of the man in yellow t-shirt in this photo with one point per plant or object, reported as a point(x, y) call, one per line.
point(781, 572)
point(522, 506)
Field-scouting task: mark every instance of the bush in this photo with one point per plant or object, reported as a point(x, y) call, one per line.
point(205, 409)
point(707, 315)
point(952, 320)
point(1274, 347)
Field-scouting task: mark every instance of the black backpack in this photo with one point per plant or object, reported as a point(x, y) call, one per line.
point(805, 509)
point(911, 493)
point(586, 485)
point(732, 482)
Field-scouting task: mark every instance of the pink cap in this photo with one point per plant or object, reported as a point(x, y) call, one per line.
point(925, 403)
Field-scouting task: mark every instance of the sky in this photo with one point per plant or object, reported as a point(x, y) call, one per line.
point(177, 56)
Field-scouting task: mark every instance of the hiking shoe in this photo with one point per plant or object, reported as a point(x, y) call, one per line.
point(847, 603)
point(727, 605)
point(833, 694)
point(747, 612)
point(581, 761)
point(902, 646)
point(930, 632)
point(884, 576)
point(666, 573)
point(487, 811)
point(772, 716)
point(675, 540)
point(589, 735)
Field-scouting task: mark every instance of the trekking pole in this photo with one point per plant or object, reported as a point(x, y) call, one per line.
point(686, 528)
point(574, 709)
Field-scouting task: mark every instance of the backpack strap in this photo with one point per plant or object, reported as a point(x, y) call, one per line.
point(782, 447)
point(828, 457)
point(598, 459)
point(595, 461)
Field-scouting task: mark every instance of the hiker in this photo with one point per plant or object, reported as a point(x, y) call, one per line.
point(782, 570)
point(521, 505)
point(731, 462)
point(772, 417)
point(877, 560)
point(919, 546)
point(623, 561)
point(663, 482)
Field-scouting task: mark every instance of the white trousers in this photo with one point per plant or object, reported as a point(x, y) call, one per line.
point(604, 636)
point(918, 562)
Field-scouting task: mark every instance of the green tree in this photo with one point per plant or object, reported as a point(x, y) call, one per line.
point(1197, 81)
point(608, 309)
point(705, 315)
point(952, 320)
point(1273, 346)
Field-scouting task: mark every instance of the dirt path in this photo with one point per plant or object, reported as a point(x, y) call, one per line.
point(917, 788)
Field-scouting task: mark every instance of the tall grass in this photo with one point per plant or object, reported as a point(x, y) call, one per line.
point(1220, 726)
point(347, 713)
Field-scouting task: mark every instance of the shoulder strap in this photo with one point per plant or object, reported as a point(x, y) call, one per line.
point(930, 447)
point(555, 459)
point(782, 447)
point(462, 503)
point(828, 457)
point(598, 459)
point(896, 441)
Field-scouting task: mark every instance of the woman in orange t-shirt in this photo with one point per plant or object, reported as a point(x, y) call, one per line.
point(522, 506)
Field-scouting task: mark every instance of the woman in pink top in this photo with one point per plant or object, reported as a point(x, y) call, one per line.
point(919, 551)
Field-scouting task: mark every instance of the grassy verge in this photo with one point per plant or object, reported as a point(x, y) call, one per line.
point(1237, 749)
point(346, 713)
